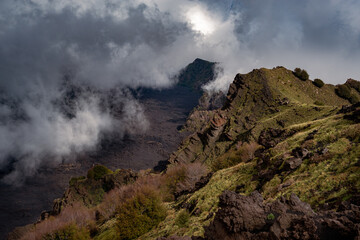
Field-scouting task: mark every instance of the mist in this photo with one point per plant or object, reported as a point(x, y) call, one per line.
point(98, 50)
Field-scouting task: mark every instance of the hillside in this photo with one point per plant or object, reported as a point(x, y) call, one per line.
point(279, 160)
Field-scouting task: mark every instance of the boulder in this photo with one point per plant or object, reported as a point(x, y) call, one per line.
point(247, 217)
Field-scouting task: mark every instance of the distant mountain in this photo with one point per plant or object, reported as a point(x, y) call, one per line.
point(197, 74)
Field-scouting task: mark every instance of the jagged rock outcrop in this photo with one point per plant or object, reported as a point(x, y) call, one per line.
point(248, 217)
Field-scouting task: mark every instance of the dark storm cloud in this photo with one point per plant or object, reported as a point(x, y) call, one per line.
point(324, 25)
point(99, 50)
point(41, 47)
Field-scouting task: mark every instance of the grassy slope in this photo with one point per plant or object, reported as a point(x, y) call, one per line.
point(332, 179)
point(329, 179)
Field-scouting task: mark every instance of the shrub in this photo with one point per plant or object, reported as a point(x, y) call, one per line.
point(270, 216)
point(140, 214)
point(182, 177)
point(70, 232)
point(297, 71)
point(318, 82)
point(354, 84)
point(182, 219)
point(343, 91)
point(119, 195)
point(301, 73)
point(97, 172)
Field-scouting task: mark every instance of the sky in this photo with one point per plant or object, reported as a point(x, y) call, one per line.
point(48, 47)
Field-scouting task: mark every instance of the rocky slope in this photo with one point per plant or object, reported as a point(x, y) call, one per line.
point(283, 156)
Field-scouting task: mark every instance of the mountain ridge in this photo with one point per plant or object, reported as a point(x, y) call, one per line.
point(276, 134)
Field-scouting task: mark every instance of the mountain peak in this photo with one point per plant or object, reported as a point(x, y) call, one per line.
point(196, 74)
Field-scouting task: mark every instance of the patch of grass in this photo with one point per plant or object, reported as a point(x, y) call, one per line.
point(182, 219)
point(270, 216)
point(271, 187)
point(319, 103)
point(108, 231)
point(340, 146)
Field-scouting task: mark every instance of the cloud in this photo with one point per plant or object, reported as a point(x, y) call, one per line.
point(50, 133)
point(106, 45)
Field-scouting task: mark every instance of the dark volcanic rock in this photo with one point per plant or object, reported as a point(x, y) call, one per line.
point(300, 152)
point(247, 217)
point(292, 163)
point(348, 108)
point(272, 136)
point(268, 138)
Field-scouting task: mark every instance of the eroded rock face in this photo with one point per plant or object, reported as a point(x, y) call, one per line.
point(198, 141)
point(247, 217)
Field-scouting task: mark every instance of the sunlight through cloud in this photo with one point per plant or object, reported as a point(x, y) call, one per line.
point(200, 21)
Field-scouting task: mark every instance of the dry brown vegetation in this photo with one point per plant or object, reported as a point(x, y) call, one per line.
point(116, 197)
point(75, 214)
point(178, 178)
point(182, 177)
